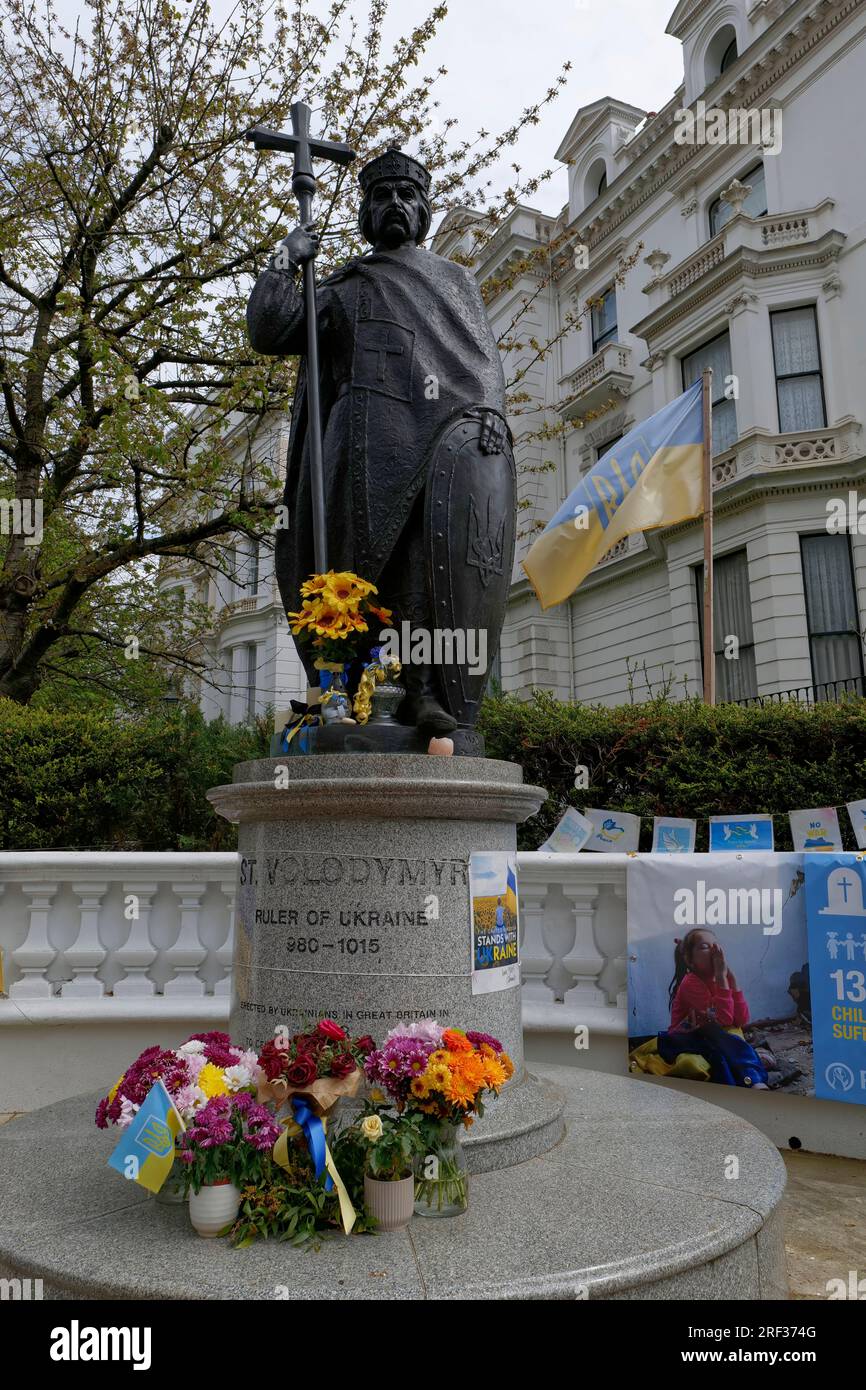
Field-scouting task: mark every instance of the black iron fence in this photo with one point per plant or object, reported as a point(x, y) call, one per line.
point(828, 692)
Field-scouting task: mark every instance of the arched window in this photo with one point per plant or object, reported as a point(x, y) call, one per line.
point(755, 205)
point(729, 57)
point(595, 182)
point(721, 53)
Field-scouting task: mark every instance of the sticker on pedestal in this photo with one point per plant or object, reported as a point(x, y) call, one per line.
point(494, 921)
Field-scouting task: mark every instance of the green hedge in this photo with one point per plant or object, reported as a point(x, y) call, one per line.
point(80, 780)
point(681, 758)
point(92, 781)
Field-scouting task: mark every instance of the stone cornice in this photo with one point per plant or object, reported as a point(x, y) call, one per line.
point(743, 264)
point(750, 87)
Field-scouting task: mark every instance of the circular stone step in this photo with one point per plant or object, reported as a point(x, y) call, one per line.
point(633, 1203)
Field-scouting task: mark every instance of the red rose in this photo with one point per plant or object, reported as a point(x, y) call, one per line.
point(302, 1071)
point(343, 1065)
point(366, 1044)
point(329, 1029)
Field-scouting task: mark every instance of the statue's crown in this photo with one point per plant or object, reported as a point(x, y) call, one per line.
point(394, 164)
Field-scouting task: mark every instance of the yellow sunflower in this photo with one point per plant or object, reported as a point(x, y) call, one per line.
point(314, 585)
point(330, 622)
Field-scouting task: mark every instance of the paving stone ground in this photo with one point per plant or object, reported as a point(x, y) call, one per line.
point(824, 1210)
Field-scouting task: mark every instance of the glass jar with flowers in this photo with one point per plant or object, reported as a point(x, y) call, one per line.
point(440, 1076)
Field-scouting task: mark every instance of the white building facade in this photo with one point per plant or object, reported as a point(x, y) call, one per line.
point(747, 253)
point(768, 286)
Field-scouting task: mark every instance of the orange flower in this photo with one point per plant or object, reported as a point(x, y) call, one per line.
point(461, 1092)
point(506, 1063)
point(471, 1068)
point(494, 1073)
point(383, 614)
point(456, 1041)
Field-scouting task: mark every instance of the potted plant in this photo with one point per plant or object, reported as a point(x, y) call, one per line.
point(227, 1147)
point(204, 1066)
point(391, 1143)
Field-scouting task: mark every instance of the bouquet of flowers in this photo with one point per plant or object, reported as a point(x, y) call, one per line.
point(441, 1072)
point(205, 1066)
point(334, 613)
point(230, 1140)
point(322, 1065)
point(441, 1076)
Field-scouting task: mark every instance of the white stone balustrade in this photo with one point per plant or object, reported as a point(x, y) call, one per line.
point(149, 926)
point(106, 954)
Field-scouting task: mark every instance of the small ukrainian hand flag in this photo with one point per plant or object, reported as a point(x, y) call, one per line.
point(145, 1151)
point(651, 477)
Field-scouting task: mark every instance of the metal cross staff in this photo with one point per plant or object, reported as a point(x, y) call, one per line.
point(306, 149)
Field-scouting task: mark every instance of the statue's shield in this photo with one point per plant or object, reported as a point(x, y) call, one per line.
point(470, 526)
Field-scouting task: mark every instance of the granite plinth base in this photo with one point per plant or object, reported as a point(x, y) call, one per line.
point(353, 904)
point(633, 1204)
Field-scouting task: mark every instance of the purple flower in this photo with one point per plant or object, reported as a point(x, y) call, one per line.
point(478, 1038)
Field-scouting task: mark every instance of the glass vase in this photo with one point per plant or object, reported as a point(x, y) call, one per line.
point(172, 1191)
point(441, 1178)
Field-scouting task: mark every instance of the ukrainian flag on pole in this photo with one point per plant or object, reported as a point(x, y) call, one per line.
point(651, 477)
point(145, 1152)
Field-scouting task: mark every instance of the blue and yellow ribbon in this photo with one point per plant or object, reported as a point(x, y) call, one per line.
point(308, 1123)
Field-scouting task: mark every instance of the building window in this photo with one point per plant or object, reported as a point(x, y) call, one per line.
point(604, 319)
point(755, 205)
point(602, 185)
point(729, 57)
point(253, 567)
point(831, 615)
point(736, 677)
point(797, 358)
point(249, 668)
point(715, 354)
point(606, 447)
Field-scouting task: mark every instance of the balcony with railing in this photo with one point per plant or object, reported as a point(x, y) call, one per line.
point(608, 374)
point(744, 242)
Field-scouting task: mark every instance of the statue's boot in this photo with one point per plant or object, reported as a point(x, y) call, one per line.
point(421, 706)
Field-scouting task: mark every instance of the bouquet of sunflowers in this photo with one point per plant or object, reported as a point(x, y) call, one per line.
point(334, 615)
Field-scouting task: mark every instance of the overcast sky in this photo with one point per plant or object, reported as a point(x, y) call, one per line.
point(501, 55)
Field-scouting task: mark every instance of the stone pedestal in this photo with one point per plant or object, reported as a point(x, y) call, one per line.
point(353, 903)
point(634, 1204)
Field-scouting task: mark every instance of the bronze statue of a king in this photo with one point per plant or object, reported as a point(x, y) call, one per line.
point(419, 483)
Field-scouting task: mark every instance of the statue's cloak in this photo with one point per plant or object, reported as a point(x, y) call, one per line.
point(405, 347)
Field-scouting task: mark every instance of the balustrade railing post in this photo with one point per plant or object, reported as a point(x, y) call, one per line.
point(36, 953)
point(87, 952)
point(137, 953)
point(187, 953)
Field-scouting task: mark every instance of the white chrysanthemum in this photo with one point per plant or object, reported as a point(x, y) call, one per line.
point(237, 1077)
point(188, 1049)
point(188, 1100)
point(128, 1110)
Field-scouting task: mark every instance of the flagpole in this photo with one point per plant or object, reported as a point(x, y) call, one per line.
point(709, 644)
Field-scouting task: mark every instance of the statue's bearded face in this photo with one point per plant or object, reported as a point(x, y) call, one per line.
point(395, 212)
